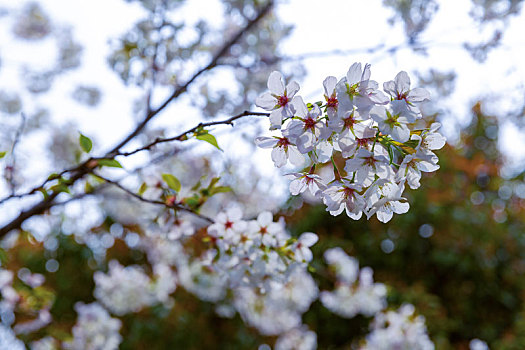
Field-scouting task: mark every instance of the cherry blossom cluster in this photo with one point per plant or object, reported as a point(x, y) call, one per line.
point(129, 289)
point(94, 329)
point(10, 299)
point(400, 329)
point(300, 338)
point(45, 343)
point(8, 339)
point(355, 291)
point(9, 295)
point(279, 309)
point(257, 253)
point(263, 266)
point(375, 133)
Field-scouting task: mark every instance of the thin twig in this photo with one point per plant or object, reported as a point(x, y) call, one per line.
point(179, 137)
point(176, 206)
point(11, 168)
point(184, 134)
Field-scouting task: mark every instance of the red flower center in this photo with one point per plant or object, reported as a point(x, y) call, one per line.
point(283, 142)
point(350, 121)
point(332, 102)
point(309, 123)
point(282, 100)
point(349, 192)
point(402, 96)
point(362, 142)
point(369, 161)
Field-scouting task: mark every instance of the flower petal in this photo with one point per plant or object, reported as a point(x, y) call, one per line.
point(292, 88)
point(266, 101)
point(308, 239)
point(418, 95)
point(354, 74)
point(402, 82)
point(275, 83)
point(266, 142)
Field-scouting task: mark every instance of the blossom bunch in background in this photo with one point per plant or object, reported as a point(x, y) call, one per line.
point(253, 267)
point(355, 291)
point(129, 289)
point(95, 328)
point(400, 329)
point(377, 134)
point(258, 253)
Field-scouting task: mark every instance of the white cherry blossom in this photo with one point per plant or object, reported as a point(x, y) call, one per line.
point(362, 137)
point(330, 96)
point(367, 164)
point(357, 90)
point(430, 140)
point(399, 89)
point(301, 248)
point(372, 133)
point(412, 166)
point(385, 199)
point(344, 195)
point(282, 150)
point(303, 181)
point(308, 128)
point(394, 119)
point(278, 100)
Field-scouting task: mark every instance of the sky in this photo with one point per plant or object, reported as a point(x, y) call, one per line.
point(320, 26)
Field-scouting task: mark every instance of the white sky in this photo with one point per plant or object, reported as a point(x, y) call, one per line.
point(319, 26)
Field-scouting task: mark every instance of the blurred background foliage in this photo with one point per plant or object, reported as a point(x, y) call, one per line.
point(458, 255)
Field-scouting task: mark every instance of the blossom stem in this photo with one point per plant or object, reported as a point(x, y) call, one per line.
point(336, 170)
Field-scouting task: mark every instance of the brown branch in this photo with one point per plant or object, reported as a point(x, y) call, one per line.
point(87, 167)
point(11, 168)
point(179, 137)
point(176, 206)
point(181, 89)
point(183, 136)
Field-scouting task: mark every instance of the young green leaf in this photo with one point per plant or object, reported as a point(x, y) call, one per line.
point(85, 143)
point(109, 162)
point(213, 182)
point(172, 182)
point(2, 154)
point(208, 138)
point(44, 192)
point(220, 189)
point(142, 188)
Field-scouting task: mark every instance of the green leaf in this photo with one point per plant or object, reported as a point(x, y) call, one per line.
point(220, 189)
point(205, 136)
point(142, 189)
point(2, 154)
point(3, 257)
point(193, 202)
point(44, 192)
point(88, 188)
point(172, 182)
point(213, 182)
point(52, 176)
point(85, 143)
point(60, 188)
point(109, 162)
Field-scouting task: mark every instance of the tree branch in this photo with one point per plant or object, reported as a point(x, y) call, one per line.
point(182, 136)
point(176, 206)
point(87, 167)
point(181, 89)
